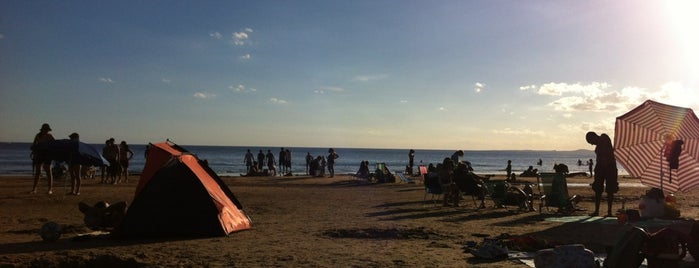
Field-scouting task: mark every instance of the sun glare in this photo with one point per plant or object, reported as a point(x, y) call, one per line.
point(684, 18)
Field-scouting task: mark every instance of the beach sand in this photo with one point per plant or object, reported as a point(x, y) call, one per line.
point(299, 222)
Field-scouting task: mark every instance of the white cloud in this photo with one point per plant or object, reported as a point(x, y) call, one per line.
point(529, 87)
point(204, 95)
point(403, 101)
point(603, 97)
point(442, 109)
point(245, 57)
point(558, 89)
point(277, 101)
point(248, 30)
point(241, 38)
point(241, 88)
point(165, 80)
point(215, 35)
point(478, 87)
point(323, 90)
point(368, 78)
point(106, 80)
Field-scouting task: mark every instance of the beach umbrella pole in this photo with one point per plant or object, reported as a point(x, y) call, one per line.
point(662, 172)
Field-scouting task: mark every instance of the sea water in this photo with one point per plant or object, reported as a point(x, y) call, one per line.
point(229, 160)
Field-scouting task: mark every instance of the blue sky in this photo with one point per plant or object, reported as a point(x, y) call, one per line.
point(377, 74)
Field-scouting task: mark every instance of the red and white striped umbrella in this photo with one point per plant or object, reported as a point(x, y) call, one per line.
point(639, 145)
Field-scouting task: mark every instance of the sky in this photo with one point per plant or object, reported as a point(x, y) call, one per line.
point(471, 75)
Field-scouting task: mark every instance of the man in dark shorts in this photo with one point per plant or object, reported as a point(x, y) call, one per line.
point(42, 160)
point(605, 170)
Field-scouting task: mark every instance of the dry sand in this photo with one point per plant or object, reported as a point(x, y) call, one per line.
point(298, 222)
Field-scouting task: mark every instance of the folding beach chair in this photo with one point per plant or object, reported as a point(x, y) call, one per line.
point(432, 187)
point(555, 193)
point(422, 169)
point(404, 178)
point(383, 174)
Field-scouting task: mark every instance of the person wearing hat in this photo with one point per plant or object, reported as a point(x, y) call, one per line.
point(40, 160)
point(605, 170)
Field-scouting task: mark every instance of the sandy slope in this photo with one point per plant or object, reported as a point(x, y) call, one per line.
point(298, 222)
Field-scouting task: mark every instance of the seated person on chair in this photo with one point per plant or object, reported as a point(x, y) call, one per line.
point(445, 170)
point(432, 180)
point(559, 190)
point(363, 171)
point(469, 183)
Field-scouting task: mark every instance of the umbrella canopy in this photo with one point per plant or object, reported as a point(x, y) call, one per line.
point(70, 151)
point(643, 139)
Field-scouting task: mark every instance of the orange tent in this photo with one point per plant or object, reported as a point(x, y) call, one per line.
point(179, 195)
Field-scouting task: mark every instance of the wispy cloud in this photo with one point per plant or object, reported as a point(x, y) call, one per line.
point(528, 87)
point(323, 90)
point(204, 95)
point(277, 101)
point(241, 88)
point(245, 57)
point(519, 131)
point(106, 80)
point(478, 87)
point(215, 35)
point(368, 78)
point(2, 36)
point(403, 101)
point(166, 80)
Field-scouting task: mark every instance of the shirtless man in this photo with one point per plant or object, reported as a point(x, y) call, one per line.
point(40, 160)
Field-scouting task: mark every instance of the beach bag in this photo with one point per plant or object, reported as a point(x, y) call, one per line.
point(565, 256)
point(626, 253)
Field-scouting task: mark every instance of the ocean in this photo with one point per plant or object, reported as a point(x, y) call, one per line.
point(228, 160)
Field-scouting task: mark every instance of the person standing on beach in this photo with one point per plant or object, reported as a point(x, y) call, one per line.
point(249, 159)
point(605, 171)
point(282, 161)
point(74, 169)
point(508, 169)
point(590, 163)
point(260, 160)
point(40, 160)
point(332, 155)
point(270, 163)
point(125, 155)
point(411, 160)
point(309, 160)
point(287, 162)
point(111, 154)
point(456, 157)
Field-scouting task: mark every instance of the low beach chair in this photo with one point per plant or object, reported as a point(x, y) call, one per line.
point(383, 174)
point(404, 178)
point(432, 187)
point(555, 193)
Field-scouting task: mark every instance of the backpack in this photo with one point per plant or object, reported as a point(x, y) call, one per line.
point(626, 253)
